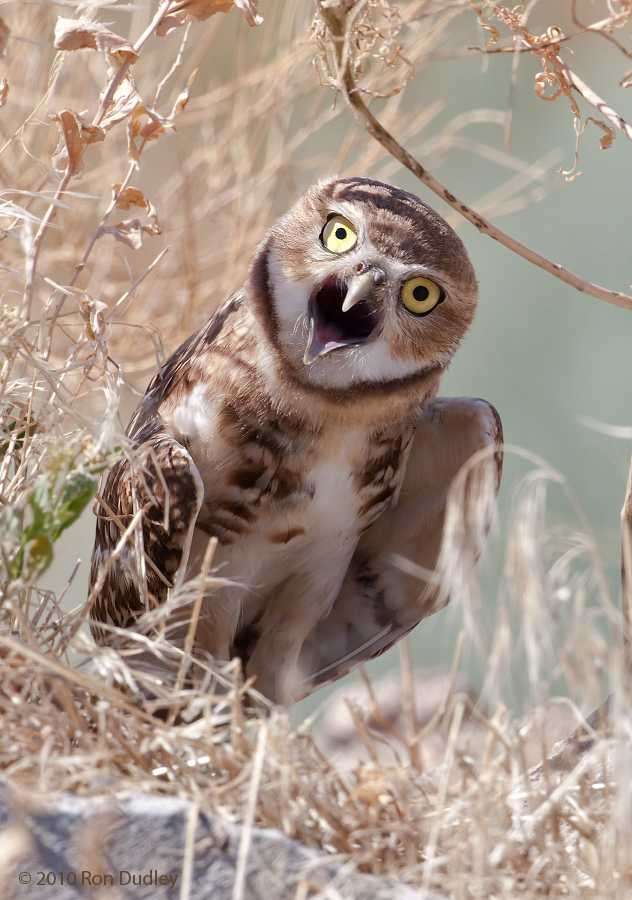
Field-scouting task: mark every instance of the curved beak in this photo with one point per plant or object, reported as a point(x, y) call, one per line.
point(341, 313)
point(359, 287)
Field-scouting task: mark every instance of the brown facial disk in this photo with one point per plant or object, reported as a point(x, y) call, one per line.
point(334, 311)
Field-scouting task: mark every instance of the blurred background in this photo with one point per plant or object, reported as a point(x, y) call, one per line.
point(258, 129)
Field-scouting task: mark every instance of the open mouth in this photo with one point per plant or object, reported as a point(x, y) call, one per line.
point(331, 327)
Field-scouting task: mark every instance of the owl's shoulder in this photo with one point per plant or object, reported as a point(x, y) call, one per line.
point(207, 362)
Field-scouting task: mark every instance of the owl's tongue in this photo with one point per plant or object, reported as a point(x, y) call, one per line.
point(331, 327)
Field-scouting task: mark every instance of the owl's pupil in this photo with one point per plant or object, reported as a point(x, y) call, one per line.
point(420, 293)
point(341, 233)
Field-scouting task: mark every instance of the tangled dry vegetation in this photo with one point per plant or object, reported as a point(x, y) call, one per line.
point(140, 162)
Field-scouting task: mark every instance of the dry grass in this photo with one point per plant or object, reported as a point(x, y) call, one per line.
point(81, 325)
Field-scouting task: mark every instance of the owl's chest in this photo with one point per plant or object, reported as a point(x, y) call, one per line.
point(327, 506)
point(285, 489)
point(310, 531)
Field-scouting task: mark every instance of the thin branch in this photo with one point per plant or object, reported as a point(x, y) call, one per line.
point(339, 30)
point(31, 266)
point(52, 209)
point(589, 95)
point(80, 266)
point(597, 28)
point(602, 28)
point(374, 128)
point(122, 71)
point(176, 65)
point(128, 293)
point(534, 44)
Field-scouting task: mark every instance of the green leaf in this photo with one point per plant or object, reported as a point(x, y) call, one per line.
point(40, 555)
point(76, 493)
point(40, 503)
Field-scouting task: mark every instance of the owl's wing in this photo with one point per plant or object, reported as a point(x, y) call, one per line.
point(410, 561)
point(161, 479)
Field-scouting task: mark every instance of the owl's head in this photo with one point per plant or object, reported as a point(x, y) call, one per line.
point(360, 282)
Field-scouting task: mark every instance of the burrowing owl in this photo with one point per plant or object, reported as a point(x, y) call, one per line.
point(300, 426)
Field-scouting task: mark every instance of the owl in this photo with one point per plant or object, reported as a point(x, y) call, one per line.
point(301, 428)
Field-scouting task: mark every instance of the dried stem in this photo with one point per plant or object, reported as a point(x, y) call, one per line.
point(52, 209)
point(81, 265)
point(189, 852)
point(175, 66)
point(340, 34)
point(239, 885)
point(409, 707)
point(195, 615)
point(31, 267)
point(589, 95)
point(602, 28)
point(113, 85)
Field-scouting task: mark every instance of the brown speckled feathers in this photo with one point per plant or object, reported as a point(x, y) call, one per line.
point(300, 427)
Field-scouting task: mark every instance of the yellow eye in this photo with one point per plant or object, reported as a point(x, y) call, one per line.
point(339, 235)
point(420, 296)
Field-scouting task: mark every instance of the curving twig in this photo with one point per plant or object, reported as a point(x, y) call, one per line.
point(31, 265)
point(80, 266)
point(601, 28)
point(122, 70)
point(46, 222)
point(340, 24)
point(589, 95)
point(537, 46)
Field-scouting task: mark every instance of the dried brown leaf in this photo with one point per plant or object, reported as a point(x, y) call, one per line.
point(92, 314)
point(157, 124)
point(81, 34)
point(250, 10)
point(131, 196)
point(153, 227)
point(134, 124)
point(183, 97)
point(201, 10)
point(605, 143)
point(130, 232)
point(125, 100)
point(76, 134)
point(493, 31)
point(132, 150)
point(169, 24)
point(610, 134)
point(5, 31)
point(151, 130)
point(4, 91)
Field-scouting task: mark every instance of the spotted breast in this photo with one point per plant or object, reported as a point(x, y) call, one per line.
point(295, 428)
